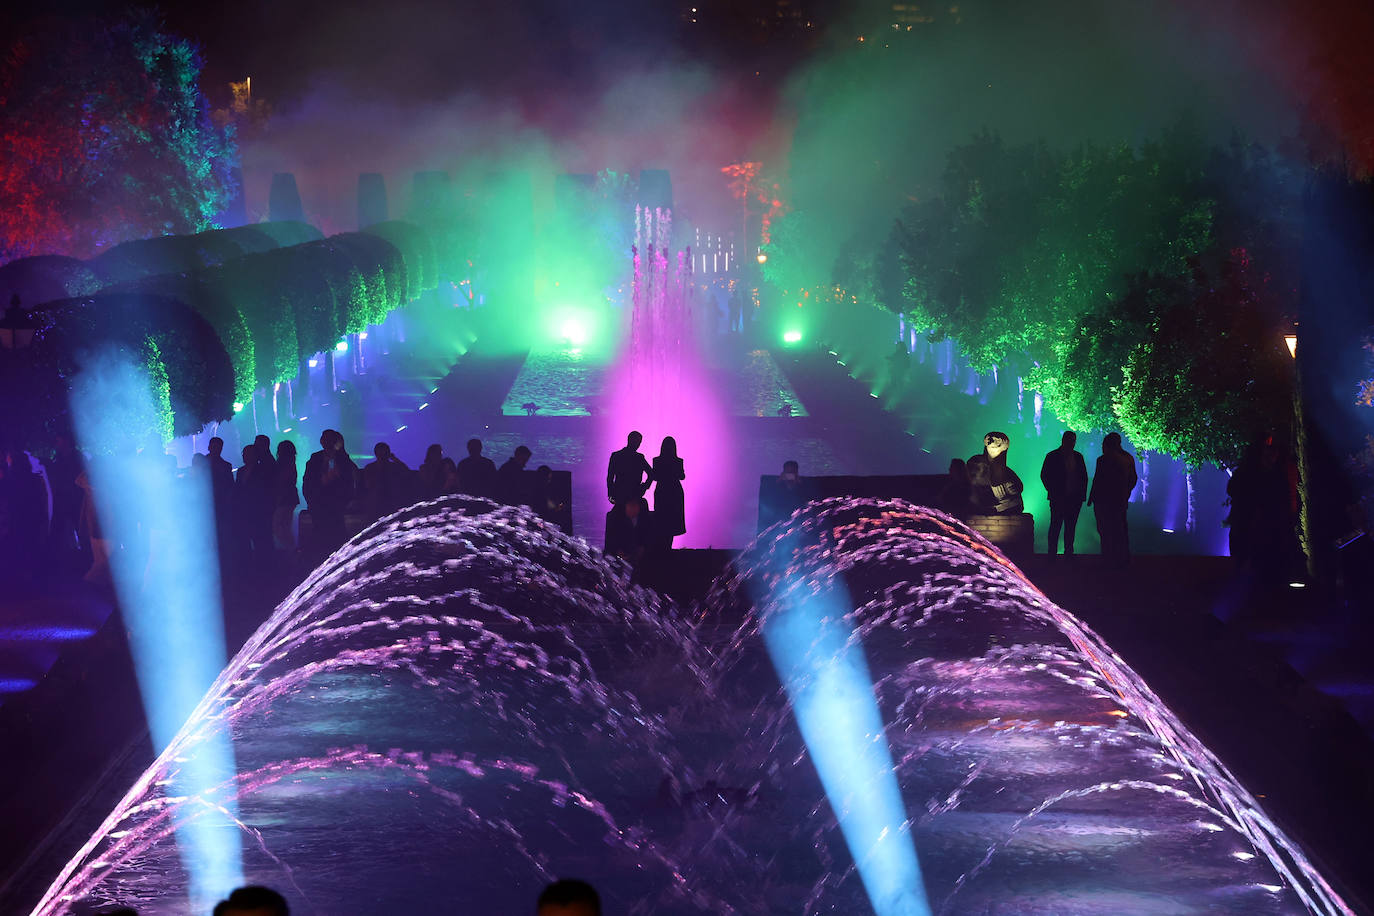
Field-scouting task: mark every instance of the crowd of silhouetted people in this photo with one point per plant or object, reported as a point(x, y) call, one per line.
point(50, 518)
point(255, 501)
point(255, 505)
point(565, 897)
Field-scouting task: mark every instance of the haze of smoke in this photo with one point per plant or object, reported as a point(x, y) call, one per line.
point(876, 119)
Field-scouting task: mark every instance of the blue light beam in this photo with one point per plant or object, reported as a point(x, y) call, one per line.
point(165, 569)
point(826, 677)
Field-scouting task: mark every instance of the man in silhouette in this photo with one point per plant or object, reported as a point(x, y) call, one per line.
point(956, 494)
point(221, 487)
point(629, 530)
point(477, 474)
point(568, 897)
point(628, 473)
point(791, 492)
point(252, 901)
point(1113, 481)
point(221, 471)
point(385, 482)
point(252, 507)
point(510, 478)
point(66, 465)
point(995, 488)
point(328, 484)
point(1065, 476)
point(264, 447)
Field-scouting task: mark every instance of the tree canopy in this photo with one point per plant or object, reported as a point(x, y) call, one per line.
point(1143, 289)
point(107, 138)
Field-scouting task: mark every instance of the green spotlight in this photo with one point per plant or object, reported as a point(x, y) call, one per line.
point(573, 332)
point(791, 337)
point(341, 346)
point(238, 406)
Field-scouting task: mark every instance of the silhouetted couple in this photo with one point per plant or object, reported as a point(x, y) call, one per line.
point(628, 477)
point(1065, 476)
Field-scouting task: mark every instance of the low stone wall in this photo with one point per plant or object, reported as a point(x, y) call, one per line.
point(1014, 534)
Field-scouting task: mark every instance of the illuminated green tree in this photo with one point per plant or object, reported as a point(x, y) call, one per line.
point(106, 137)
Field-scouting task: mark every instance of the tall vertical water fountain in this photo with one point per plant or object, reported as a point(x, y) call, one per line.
point(661, 386)
point(464, 703)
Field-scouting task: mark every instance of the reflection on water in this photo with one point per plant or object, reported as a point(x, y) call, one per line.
point(568, 382)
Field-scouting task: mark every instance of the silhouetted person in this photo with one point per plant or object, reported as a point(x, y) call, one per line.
point(431, 472)
point(23, 512)
point(450, 470)
point(670, 514)
point(221, 471)
point(628, 473)
point(328, 485)
point(91, 531)
point(1065, 476)
point(285, 497)
point(956, 494)
point(1263, 510)
point(568, 897)
point(63, 469)
point(264, 447)
point(253, 503)
point(477, 474)
point(510, 478)
point(252, 901)
point(1113, 481)
point(629, 531)
point(386, 483)
point(550, 500)
point(791, 489)
point(221, 486)
point(736, 306)
point(898, 362)
point(995, 488)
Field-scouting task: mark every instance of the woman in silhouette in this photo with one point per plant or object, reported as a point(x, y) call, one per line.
point(669, 514)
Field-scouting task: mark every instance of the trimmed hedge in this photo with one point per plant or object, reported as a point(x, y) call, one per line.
point(46, 277)
point(417, 251)
point(224, 316)
point(383, 274)
point(198, 370)
point(221, 313)
point(171, 254)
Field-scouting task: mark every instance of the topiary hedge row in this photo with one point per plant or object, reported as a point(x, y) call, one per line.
point(218, 326)
point(171, 254)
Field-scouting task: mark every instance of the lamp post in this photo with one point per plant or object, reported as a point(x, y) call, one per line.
point(17, 327)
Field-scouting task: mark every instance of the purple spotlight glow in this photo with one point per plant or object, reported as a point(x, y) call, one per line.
point(661, 388)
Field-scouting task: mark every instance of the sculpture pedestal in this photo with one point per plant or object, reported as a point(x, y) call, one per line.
point(1014, 535)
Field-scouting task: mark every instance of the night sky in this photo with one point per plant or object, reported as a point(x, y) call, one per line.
point(629, 85)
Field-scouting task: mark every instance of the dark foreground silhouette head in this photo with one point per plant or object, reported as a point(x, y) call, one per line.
point(474, 447)
point(252, 901)
point(633, 440)
point(1070, 438)
point(569, 897)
